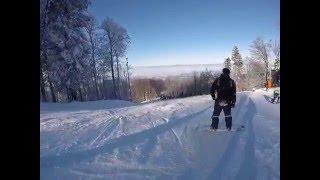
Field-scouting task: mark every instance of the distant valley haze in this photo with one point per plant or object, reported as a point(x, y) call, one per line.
point(163, 71)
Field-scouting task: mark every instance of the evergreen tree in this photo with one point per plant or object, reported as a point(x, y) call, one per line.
point(237, 66)
point(76, 59)
point(64, 47)
point(227, 63)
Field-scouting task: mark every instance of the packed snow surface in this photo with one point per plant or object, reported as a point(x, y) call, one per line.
point(160, 140)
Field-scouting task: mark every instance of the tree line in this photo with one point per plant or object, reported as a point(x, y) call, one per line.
point(80, 59)
point(254, 71)
point(199, 83)
point(249, 72)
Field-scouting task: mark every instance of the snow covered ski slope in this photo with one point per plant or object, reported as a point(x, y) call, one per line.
point(162, 140)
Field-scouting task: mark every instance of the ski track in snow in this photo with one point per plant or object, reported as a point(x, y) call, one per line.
point(162, 140)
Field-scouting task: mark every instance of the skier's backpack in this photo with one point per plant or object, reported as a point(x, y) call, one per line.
point(224, 89)
point(224, 85)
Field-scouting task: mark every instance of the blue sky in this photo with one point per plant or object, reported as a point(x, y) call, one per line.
point(167, 32)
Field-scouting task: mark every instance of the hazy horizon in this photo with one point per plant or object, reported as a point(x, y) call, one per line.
point(176, 65)
point(182, 71)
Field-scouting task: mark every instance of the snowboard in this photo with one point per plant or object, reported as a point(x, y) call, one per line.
point(225, 130)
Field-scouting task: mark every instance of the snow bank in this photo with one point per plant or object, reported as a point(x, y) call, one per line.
point(83, 106)
point(266, 126)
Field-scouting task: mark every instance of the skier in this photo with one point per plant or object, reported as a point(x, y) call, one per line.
point(225, 89)
point(276, 96)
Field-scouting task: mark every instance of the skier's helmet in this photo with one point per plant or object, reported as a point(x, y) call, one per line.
point(225, 71)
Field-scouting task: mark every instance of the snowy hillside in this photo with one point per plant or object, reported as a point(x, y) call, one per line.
point(162, 140)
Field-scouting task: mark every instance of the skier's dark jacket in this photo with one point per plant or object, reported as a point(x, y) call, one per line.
point(225, 88)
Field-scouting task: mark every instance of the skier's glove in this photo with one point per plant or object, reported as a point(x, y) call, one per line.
point(233, 104)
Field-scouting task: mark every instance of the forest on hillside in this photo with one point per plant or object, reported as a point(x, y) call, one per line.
point(84, 60)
